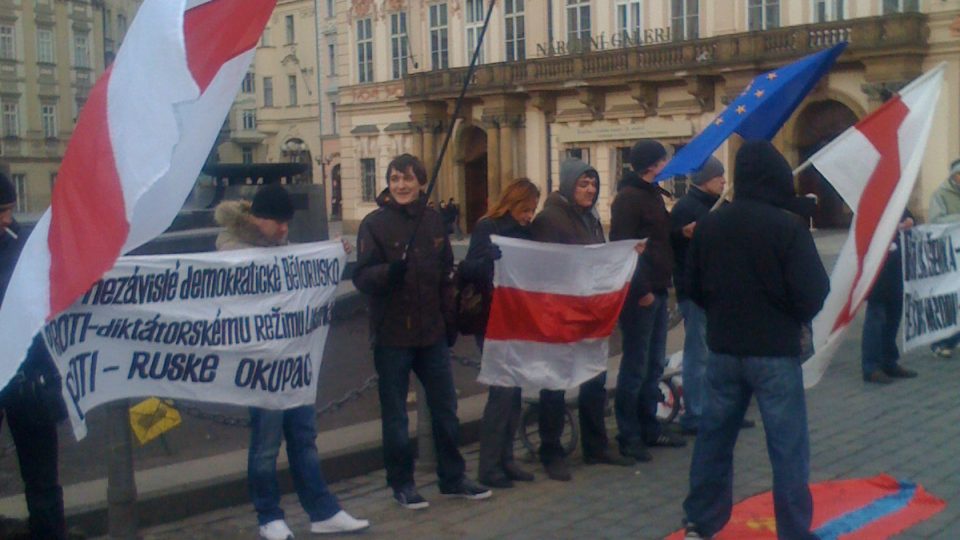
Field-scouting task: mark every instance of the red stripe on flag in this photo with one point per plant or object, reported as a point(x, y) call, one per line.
point(882, 130)
point(88, 224)
point(516, 314)
point(221, 30)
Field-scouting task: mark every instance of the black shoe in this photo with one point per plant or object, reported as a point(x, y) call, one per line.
point(514, 472)
point(558, 470)
point(637, 451)
point(878, 377)
point(668, 440)
point(468, 490)
point(898, 372)
point(501, 481)
point(608, 457)
point(747, 424)
point(408, 498)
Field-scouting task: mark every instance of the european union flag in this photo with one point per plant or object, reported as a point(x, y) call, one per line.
point(758, 112)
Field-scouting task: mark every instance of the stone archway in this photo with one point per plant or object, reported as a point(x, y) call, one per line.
point(473, 149)
point(817, 125)
point(336, 194)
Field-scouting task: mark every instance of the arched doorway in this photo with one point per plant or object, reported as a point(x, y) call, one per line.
point(473, 148)
point(817, 125)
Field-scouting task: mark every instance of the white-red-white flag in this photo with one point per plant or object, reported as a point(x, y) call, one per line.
point(140, 141)
point(873, 166)
point(554, 308)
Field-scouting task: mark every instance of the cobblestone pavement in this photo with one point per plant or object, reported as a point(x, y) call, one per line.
point(908, 429)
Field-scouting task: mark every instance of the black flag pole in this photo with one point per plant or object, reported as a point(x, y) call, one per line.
point(453, 120)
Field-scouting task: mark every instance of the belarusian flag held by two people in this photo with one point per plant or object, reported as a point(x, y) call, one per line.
point(135, 154)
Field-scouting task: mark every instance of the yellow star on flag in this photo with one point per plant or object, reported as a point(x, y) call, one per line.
point(741, 109)
point(718, 121)
point(758, 93)
point(771, 76)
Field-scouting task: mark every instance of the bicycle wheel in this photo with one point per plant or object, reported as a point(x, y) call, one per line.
point(530, 430)
point(668, 406)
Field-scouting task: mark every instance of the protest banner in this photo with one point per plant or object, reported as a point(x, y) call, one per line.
point(550, 329)
point(931, 284)
point(244, 327)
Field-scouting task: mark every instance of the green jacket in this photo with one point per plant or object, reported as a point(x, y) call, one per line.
point(945, 203)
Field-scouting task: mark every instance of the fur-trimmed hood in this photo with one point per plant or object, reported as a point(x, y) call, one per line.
point(239, 230)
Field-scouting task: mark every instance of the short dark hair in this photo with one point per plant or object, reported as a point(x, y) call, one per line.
point(408, 161)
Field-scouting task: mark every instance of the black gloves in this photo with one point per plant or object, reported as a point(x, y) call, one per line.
point(395, 273)
point(494, 252)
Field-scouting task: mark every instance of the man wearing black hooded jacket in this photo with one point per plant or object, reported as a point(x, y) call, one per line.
point(753, 267)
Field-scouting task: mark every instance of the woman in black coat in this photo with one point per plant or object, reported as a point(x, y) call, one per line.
point(510, 217)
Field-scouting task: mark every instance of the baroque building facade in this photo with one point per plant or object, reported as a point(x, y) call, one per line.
point(51, 53)
point(587, 78)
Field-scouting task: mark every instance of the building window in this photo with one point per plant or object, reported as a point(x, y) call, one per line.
point(81, 50)
point(246, 155)
point(365, 50)
point(265, 38)
point(398, 44)
point(8, 43)
point(11, 118)
point(291, 35)
point(439, 53)
point(827, 10)
point(333, 118)
point(900, 6)
point(249, 119)
point(685, 19)
point(249, 85)
point(121, 25)
point(53, 181)
point(763, 14)
point(578, 22)
point(329, 8)
point(107, 29)
point(474, 26)
point(623, 165)
point(628, 19)
point(292, 89)
point(20, 185)
point(268, 91)
point(45, 48)
point(515, 33)
point(48, 120)
point(582, 154)
point(331, 60)
point(368, 179)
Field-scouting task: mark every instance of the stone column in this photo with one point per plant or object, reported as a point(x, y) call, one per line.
point(494, 158)
point(504, 116)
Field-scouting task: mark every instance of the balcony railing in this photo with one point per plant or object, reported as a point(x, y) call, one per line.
point(759, 50)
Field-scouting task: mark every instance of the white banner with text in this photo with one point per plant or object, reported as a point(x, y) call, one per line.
point(931, 284)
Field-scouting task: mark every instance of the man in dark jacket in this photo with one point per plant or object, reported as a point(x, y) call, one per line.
point(32, 419)
point(706, 186)
point(568, 217)
point(753, 267)
point(638, 212)
point(411, 324)
point(879, 353)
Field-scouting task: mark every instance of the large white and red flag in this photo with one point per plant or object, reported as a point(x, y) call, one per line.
point(554, 308)
point(873, 166)
point(140, 141)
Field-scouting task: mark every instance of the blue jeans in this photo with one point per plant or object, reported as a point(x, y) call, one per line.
point(432, 366)
point(298, 427)
point(878, 346)
point(644, 353)
point(778, 385)
point(694, 361)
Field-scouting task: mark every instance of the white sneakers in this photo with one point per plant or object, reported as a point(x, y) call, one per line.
point(276, 530)
point(341, 522)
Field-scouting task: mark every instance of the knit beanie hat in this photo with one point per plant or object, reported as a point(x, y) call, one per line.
point(8, 193)
point(645, 154)
point(711, 169)
point(272, 202)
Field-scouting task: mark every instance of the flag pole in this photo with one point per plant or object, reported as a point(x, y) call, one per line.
point(453, 120)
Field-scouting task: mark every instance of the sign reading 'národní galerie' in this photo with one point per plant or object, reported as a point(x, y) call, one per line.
point(244, 327)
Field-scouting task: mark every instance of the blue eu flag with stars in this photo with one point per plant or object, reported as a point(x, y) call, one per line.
point(759, 111)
